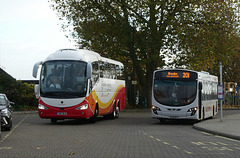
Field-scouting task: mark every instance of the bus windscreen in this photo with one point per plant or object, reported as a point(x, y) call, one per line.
point(175, 88)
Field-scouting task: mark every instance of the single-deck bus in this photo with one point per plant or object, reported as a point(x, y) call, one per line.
point(78, 83)
point(184, 94)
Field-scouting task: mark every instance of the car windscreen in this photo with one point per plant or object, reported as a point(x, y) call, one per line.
point(3, 100)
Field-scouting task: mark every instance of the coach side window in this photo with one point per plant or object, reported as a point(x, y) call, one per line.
point(112, 71)
point(95, 72)
point(119, 72)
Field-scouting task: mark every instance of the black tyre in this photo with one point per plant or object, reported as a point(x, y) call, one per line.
point(115, 113)
point(53, 120)
point(94, 118)
point(162, 120)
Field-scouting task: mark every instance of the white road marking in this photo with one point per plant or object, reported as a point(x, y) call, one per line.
point(13, 129)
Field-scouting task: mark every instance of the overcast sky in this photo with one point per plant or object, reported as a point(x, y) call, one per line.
point(29, 32)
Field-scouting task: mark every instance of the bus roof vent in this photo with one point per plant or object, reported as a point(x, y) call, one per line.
point(204, 72)
point(67, 50)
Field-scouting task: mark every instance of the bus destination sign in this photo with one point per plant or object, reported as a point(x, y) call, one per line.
point(179, 74)
point(176, 74)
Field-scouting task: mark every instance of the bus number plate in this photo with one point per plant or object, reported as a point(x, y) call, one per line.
point(173, 117)
point(61, 113)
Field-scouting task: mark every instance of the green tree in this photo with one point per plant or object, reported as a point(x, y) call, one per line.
point(22, 94)
point(138, 33)
point(212, 38)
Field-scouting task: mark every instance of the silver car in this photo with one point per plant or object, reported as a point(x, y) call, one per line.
point(6, 112)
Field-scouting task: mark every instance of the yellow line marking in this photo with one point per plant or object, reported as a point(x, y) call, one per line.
point(198, 143)
point(176, 147)
point(212, 143)
point(205, 147)
point(6, 148)
point(207, 133)
point(225, 148)
point(234, 140)
point(222, 143)
point(151, 136)
point(166, 143)
point(188, 152)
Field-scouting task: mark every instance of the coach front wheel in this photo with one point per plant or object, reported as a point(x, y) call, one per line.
point(94, 118)
point(53, 120)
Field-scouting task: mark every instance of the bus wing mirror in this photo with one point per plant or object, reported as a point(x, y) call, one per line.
point(35, 69)
point(200, 85)
point(89, 71)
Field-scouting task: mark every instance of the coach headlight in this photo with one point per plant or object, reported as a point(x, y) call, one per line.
point(193, 110)
point(42, 107)
point(82, 107)
point(155, 109)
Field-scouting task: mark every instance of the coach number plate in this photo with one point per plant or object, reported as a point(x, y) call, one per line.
point(61, 113)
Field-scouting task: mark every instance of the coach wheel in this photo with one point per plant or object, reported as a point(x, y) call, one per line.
point(53, 120)
point(94, 118)
point(115, 112)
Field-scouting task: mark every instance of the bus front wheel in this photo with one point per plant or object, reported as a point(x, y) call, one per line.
point(162, 120)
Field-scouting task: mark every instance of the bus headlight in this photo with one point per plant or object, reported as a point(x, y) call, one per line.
point(193, 110)
point(42, 107)
point(82, 107)
point(155, 109)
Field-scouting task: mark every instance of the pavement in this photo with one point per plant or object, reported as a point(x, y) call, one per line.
point(228, 127)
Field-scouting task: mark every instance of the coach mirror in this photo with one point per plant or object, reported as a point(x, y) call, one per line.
point(35, 69)
point(89, 71)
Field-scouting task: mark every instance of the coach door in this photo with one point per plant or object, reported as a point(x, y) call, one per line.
point(200, 99)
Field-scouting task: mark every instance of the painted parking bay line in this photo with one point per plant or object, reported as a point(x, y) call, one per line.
point(13, 129)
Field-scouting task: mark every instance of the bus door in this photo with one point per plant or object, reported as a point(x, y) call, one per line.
point(200, 99)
